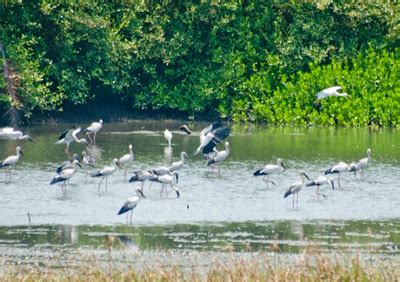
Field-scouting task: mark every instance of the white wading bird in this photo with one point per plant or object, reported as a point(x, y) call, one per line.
point(10, 161)
point(270, 169)
point(126, 160)
point(93, 129)
point(168, 136)
point(295, 188)
point(65, 175)
point(69, 136)
point(130, 204)
point(361, 164)
point(219, 157)
point(338, 168)
point(88, 160)
point(176, 166)
point(105, 172)
point(321, 180)
point(11, 133)
point(169, 178)
point(68, 164)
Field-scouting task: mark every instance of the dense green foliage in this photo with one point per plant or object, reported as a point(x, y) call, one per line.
point(234, 59)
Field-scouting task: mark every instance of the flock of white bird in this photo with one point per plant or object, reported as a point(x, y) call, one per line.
point(168, 176)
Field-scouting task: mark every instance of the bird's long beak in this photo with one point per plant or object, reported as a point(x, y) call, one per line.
point(79, 165)
point(306, 176)
point(141, 193)
point(30, 139)
point(333, 185)
point(283, 165)
point(177, 194)
point(117, 163)
point(22, 154)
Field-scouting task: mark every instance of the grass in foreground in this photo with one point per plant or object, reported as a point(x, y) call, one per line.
point(313, 267)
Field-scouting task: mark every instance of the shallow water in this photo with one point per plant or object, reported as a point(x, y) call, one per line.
point(233, 211)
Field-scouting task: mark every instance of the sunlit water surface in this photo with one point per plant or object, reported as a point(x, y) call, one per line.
point(234, 211)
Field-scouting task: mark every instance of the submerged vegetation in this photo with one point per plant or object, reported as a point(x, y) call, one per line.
point(246, 60)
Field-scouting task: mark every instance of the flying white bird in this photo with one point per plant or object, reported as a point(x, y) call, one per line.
point(69, 136)
point(11, 133)
point(331, 91)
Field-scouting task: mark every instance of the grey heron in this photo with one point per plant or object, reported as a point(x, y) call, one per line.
point(270, 169)
point(295, 188)
point(11, 133)
point(168, 136)
point(338, 168)
point(219, 157)
point(11, 161)
point(321, 180)
point(93, 129)
point(65, 175)
point(130, 204)
point(126, 160)
point(105, 172)
point(69, 136)
point(361, 164)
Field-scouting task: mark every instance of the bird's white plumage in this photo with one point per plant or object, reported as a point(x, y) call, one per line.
point(94, 127)
point(222, 155)
point(176, 166)
point(273, 168)
point(331, 91)
point(127, 158)
point(168, 136)
point(12, 160)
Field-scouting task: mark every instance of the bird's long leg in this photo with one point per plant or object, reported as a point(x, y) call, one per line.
point(98, 189)
point(94, 139)
point(317, 191)
point(219, 169)
point(90, 139)
point(362, 173)
point(294, 195)
point(162, 188)
point(130, 221)
point(125, 173)
point(338, 180)
point(126, 218)
point(297, 202)
point(106, 183)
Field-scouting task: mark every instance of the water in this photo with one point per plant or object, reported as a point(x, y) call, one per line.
point(231, 212)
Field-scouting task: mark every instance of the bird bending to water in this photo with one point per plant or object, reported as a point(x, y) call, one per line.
point(130, 204)
point(270, 169)
point(338, 168)
point(11, 161)
point(220, 157)
point(69, 136)
point(142, 176)
point(126, 160)
point(105, 172)
point(321, 180)
point(176, 166)
point(65, 175)
point(361, 164)
point(168, 136)
point(296, 187)
point(11, 133)
point(169, 178)
point(185, 129)
point(93, 129)
point(68, 164)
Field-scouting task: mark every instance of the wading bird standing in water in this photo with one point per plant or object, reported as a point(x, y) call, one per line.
point(219, 157)
point(126, 160)
point(361, 164)
point(168, 136)
point(10, 161)
point(321, 180)
point(93, 129)
point(295, 188)
point(130, 204)
point(105, 172)
point(338, 168)
point(270, 169)
point(65, 176)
